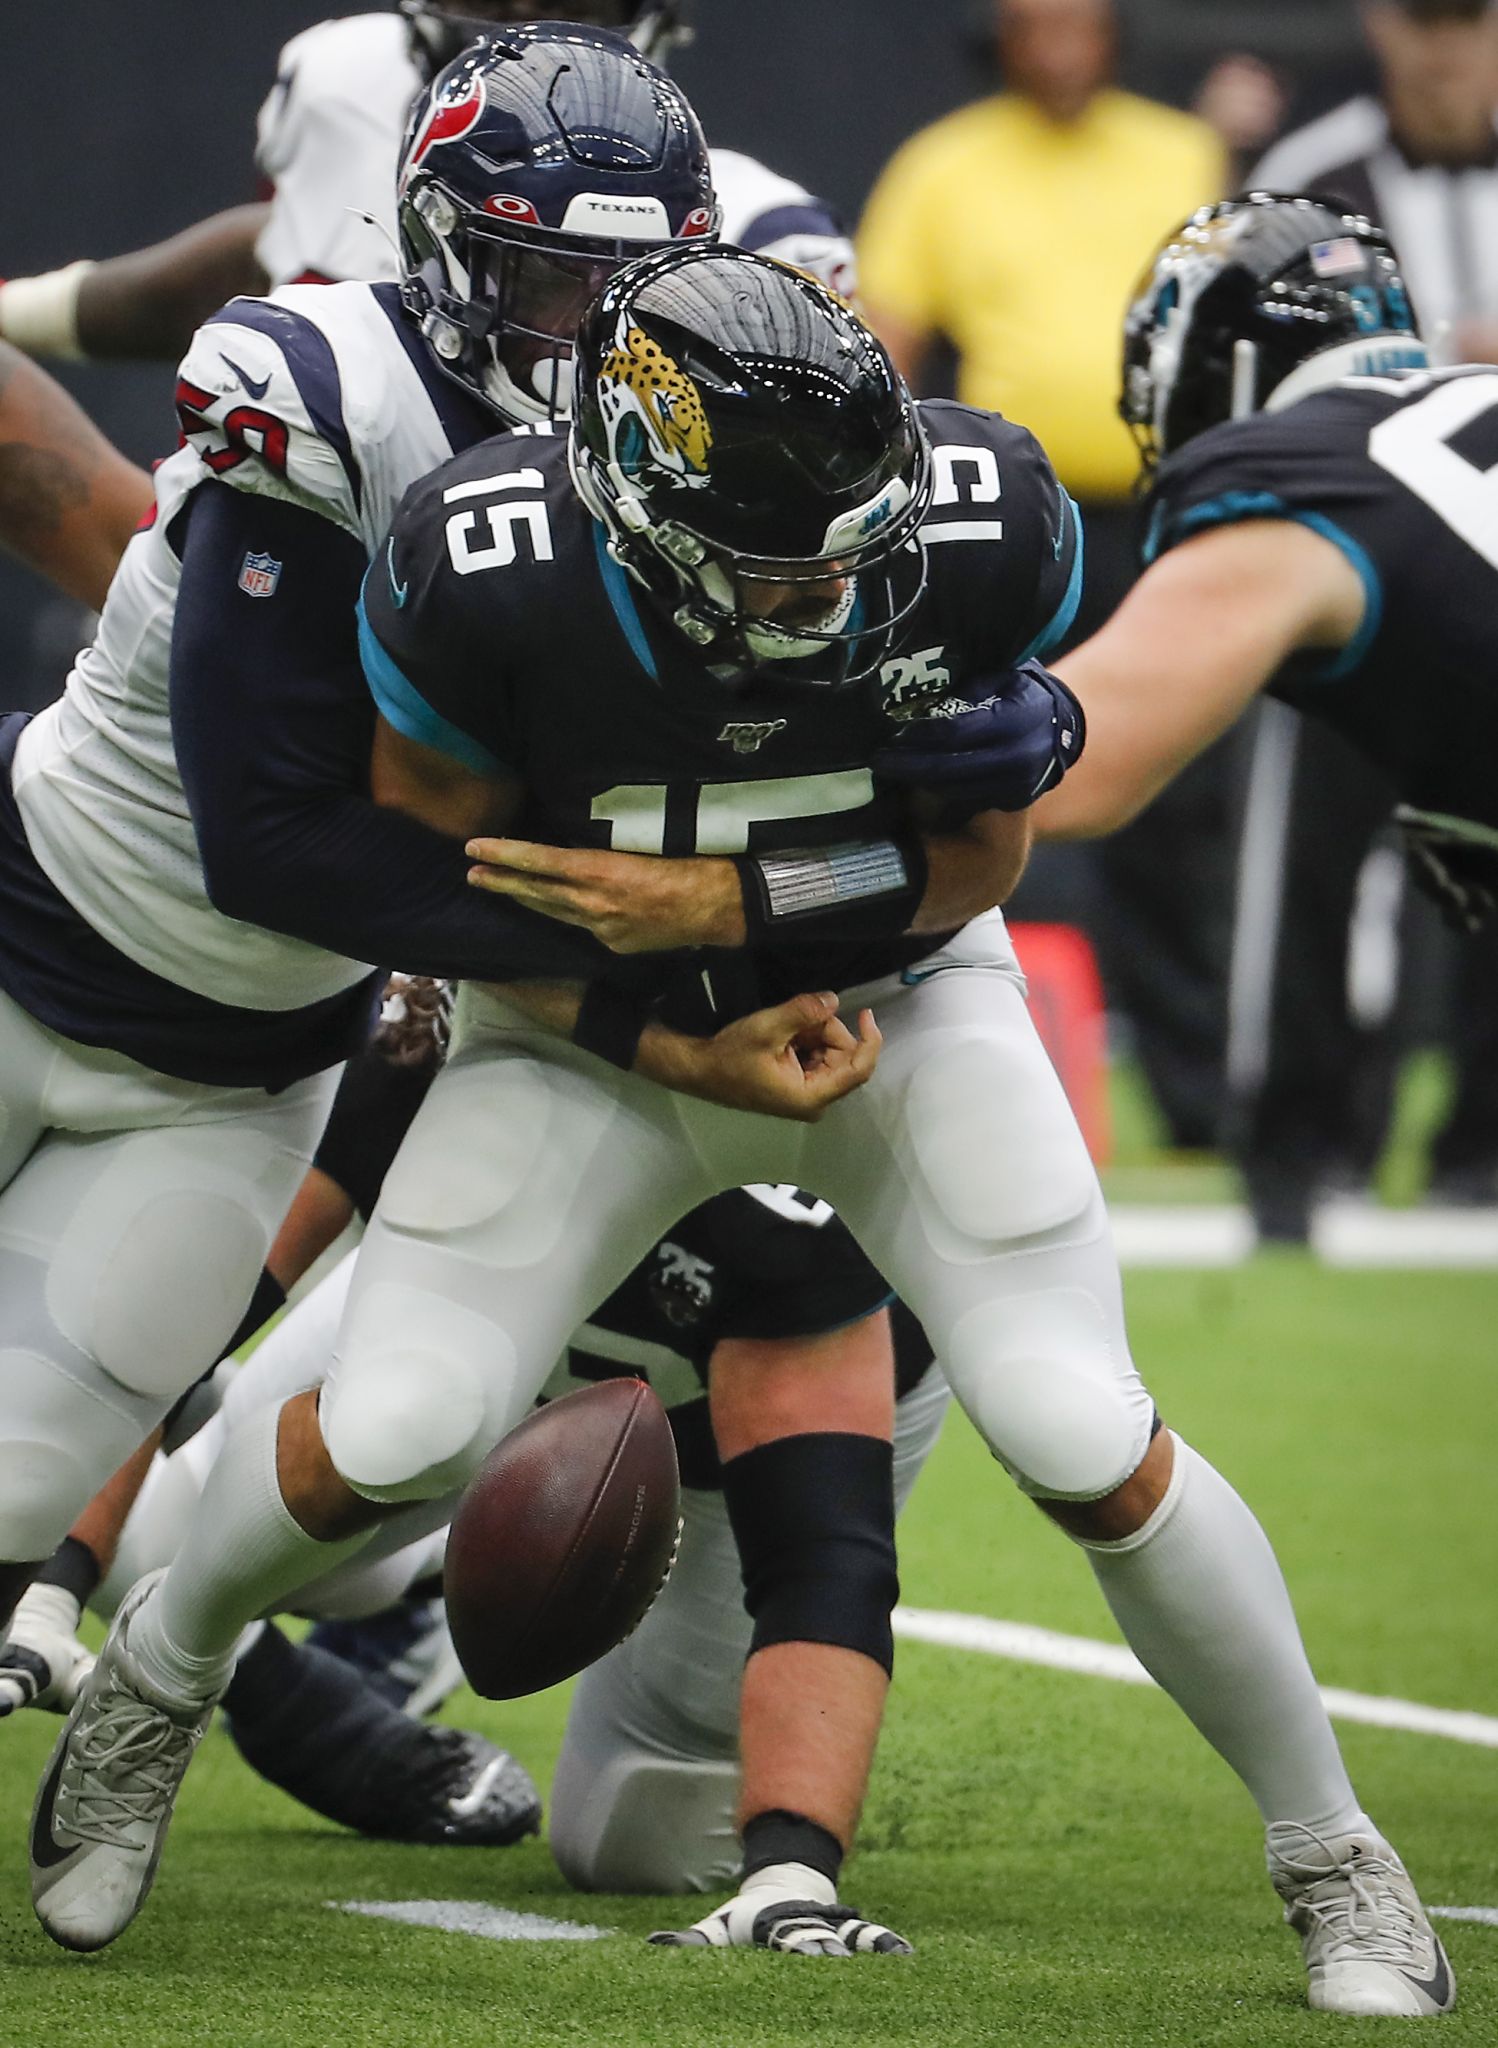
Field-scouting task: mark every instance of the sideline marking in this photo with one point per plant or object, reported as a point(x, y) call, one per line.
point(1023, 1643)
point(1485, 1916)
point(1345, 1234)
point(471, 1916)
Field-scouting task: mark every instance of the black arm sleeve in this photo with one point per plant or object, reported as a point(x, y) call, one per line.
point(273, 724)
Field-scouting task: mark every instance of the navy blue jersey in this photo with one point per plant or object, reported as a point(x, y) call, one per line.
point(498, 630)
point(1401, 473)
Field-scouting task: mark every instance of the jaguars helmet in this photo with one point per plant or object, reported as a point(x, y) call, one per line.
point(756, 463)
point(1252, 304)
point(440, 33)
point(532, 168)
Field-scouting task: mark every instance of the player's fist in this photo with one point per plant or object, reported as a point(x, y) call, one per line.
point(997, 743)
point(791, 1908)
point(42, 1663)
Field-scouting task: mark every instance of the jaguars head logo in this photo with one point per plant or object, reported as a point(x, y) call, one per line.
point(653, 410)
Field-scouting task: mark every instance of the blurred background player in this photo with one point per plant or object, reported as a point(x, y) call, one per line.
point(1320, 530)
point(328, 138)
point(1013, 230)
point(1330, 958)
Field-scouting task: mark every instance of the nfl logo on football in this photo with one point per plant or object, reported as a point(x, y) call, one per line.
point(259, 575)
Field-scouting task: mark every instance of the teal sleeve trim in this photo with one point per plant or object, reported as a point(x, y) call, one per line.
point(1233, 507)
point(1047, 641)
point(402, 705)
point(621, 597)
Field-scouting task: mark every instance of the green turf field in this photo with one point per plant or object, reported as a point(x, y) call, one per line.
point(1072, 1864)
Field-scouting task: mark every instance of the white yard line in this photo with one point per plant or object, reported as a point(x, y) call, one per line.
point(471, 1916)
point(1023, 1644)
point(1485, 1916)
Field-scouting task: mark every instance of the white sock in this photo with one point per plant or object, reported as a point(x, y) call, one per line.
point(242, 1553)
point(1200, 1597)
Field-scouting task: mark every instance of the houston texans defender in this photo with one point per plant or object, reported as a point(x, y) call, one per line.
point(1324, 528)
point(328, 140)
point(763, 561)
point(192, 874)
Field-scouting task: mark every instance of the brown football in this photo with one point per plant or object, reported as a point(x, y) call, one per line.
point(563, 1539)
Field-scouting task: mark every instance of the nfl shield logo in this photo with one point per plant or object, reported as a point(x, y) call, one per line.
point(260, 575)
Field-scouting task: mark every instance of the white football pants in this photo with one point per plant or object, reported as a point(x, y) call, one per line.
point(536, 1176)
point(135, 1215)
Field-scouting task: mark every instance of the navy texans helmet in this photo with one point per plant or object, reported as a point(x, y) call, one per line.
point(533, 167)
point(440, 32)
point(1254, 303)
point(755, 461)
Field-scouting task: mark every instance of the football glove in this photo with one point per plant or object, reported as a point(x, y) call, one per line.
point(996, 743)
point(42, 1663)
point(790, 1907)
point(1455, 861)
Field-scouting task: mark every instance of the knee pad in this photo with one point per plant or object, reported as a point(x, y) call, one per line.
point(57, 1447)
point(417, 1398)
point(155, 1265)
point(43, 1484)
point(1043, 1380)
point(643, 1823)
point(814, 1520)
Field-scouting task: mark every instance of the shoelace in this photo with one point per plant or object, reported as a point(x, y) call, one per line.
point(134, 1742)
point(1368, 1907)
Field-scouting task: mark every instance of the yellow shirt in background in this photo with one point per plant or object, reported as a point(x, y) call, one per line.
point(1021, 240)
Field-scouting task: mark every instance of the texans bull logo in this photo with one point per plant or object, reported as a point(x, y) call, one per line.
point(455, 112)
point(653, 409)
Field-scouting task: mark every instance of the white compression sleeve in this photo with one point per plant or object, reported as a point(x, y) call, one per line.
point(1200, 1597)
point(40, 314)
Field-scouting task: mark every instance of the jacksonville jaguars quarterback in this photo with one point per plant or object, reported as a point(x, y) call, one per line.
point(1323, 528)
point(681, 643)
point(192, 874)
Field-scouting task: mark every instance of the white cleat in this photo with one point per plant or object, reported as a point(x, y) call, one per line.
point(1369, 1949)
point(106, 1797)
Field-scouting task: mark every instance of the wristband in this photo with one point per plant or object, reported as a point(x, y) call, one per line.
point(40, 314)
point(868, 889)
point(610, 1022)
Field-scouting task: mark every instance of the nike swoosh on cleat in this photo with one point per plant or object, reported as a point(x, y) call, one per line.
point(1438, 1987)
point(478, 1791)
point(45, 1847)
point(256, 386)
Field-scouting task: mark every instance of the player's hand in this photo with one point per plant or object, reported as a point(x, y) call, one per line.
point(777, 1914)
point(631, 902)
point(997, 743)
point(794, 1061)
point(1455, 862)
point(42, 1663)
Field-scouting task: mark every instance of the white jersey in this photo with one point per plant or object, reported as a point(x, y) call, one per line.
point(321, 396)
point(329, 136)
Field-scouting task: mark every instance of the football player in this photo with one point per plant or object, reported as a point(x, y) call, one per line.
point(329, 137)
point(1323, 528)
point(755, 598)
point(179, 980)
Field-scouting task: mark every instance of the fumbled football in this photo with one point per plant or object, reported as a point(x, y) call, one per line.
point(563, 1539)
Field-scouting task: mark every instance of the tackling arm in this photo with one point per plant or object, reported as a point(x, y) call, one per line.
point(1186, 653)
point(69, 501)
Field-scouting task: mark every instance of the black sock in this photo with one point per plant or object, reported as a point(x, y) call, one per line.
point(72, 1566)
point(781, 1837)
